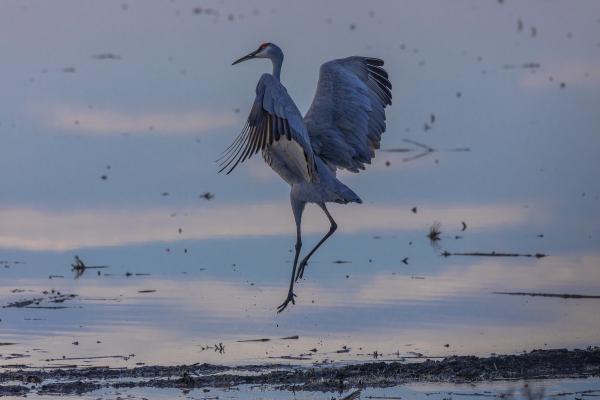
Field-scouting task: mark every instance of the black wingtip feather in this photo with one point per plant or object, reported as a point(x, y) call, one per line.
point(382, 80)
point(378, 70)
point(254, 137)
point(383, 85)
point(374, 61)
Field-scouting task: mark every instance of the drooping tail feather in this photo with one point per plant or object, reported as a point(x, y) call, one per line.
point(346, 195)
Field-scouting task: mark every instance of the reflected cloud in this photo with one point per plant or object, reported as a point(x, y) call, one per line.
point(40, 230)
point(201, 311)
point(79, 120)
point(230, 299)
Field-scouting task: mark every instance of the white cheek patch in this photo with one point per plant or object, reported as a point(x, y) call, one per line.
point(262, 53)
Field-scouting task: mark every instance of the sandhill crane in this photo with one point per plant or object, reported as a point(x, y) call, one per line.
point(341, 129)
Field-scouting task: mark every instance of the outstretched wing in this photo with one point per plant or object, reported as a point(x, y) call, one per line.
point(347, 116)
point(273, 117)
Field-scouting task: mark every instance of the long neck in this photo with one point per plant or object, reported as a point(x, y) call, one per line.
point(277, 61)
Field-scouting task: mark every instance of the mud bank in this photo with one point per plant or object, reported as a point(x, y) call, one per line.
point(537, 364)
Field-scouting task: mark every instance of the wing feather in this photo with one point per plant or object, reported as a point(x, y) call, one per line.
point(347, 116)
point(273, 116)
point(233, 146)
point(230, 155)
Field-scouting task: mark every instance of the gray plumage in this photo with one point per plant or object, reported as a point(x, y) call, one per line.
point(342, 129)
point(347, 117)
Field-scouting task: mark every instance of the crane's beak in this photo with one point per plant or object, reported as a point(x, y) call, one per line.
point(246, 57)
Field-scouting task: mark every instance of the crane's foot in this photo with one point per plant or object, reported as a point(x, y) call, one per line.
point(300, 272)
point(290, 298)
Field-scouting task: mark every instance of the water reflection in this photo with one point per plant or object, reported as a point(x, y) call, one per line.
point(109, 159)
point(392, 312)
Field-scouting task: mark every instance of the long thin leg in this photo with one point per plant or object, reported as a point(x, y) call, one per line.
point(332, 229)
point(297, 208)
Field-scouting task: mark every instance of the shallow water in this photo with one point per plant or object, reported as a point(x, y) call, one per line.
point(152, 117)
point(553, 389)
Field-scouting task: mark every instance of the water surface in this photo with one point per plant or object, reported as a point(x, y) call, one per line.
point(113, 113)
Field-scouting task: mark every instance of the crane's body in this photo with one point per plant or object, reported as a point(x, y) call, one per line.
point(341, 129)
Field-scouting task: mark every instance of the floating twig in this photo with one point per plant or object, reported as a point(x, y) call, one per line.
point(79, 267)
point(253, 340)
point(492, 254)
point(290, 358)
point(561, 295)
point(86, 358)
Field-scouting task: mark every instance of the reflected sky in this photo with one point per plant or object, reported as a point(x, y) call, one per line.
point(111, 117)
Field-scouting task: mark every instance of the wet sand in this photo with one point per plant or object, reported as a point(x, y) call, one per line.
point(537, 364)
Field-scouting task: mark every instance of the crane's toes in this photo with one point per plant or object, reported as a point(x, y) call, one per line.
point(290, 298)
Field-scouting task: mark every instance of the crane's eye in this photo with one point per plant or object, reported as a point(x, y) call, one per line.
point(263, 46)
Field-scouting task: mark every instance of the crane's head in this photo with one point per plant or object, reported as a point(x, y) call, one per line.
point(265, 50)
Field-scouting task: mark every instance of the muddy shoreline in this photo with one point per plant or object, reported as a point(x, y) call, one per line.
point(537, 364)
